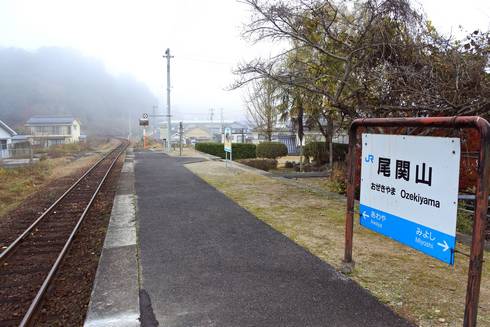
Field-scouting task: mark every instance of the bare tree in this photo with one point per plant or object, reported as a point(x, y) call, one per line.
point(368, 58)
point(261, 105)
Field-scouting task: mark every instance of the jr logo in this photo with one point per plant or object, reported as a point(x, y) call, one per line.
point(369, 158)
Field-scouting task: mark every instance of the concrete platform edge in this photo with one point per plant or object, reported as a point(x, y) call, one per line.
point(115, 296)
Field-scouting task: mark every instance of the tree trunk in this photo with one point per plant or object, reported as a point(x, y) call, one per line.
point(301, 154)
point(330, 142)
point(330, 155)
point(270, 129)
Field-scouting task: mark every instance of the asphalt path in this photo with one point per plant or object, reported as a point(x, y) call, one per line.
point(205, 261)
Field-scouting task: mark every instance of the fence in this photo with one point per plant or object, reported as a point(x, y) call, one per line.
point(4, 153)
point(290, 142)
point(16, 153)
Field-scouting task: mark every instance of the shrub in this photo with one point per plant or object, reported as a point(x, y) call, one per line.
point(316, 150)
point(243, 150)
point(289, 164)
point(464, 222)
point(319, 151)
point(60, 150)
point(263, 164)
point(337, 180)
point(272, 150)
point(215, 149)
point(239, 150)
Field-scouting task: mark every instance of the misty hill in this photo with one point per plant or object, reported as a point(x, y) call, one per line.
point(62, 81)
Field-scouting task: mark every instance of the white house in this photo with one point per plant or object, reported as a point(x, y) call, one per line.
point(240, 133)
point(6, 135)
point(45, 131)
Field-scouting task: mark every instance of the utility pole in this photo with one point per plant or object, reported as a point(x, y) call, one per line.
point(221, 120)
point(181, 130)
point(153, 121)
point(169, 120)
point(129, 126)
point(211, 114)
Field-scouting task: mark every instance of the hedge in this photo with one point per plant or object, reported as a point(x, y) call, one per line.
point(215, 149)
point(263, 164)
point(271, 150)
point(243, 150)
point(319, 151)
point(239, 150)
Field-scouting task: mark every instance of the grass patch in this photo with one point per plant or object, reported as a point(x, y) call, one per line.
point(464, 223)
point(61, 150)
point(414, 285)
point(17, 183)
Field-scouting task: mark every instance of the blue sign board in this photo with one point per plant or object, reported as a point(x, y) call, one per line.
point(430, 241)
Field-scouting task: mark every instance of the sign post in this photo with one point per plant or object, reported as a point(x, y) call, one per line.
point(144, 122)
point(442, 230)
point(228, 145)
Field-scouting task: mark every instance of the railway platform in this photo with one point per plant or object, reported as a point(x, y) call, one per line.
point(202, 260)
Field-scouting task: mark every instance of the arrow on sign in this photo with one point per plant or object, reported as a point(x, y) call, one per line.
point(444, 246)
point(365, 215)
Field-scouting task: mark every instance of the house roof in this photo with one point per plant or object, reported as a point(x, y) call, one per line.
point(7, 128)
point(236, 125)
point(50, 120)
point(197, 133)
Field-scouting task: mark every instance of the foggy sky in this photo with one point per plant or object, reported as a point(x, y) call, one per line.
point(131, 37)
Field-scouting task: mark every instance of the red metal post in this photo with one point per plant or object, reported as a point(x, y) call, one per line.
point(479, 227)
point(351, 181)
point(482, 190)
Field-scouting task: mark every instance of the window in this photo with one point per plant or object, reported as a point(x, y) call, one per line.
point(50, 130)
point(3, 144)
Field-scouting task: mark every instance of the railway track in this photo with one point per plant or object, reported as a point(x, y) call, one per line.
point(29, 263)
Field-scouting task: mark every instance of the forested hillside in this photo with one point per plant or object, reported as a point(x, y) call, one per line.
point(63, 81)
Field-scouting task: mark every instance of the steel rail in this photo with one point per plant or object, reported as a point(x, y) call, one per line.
point(12, 245)
point(42, 290)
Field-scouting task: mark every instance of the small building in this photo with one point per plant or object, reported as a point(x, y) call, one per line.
point(45, 131)
point(240, 133)
point(6, 135)
point(207, 131)
point(198, 134)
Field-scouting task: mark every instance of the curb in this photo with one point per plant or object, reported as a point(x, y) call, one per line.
point(115, 295)
point(235, 164)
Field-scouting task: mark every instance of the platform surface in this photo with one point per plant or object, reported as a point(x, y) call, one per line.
point(205, 261)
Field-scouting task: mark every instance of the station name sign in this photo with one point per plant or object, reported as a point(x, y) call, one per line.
point(227, 139)
point(409, 190)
